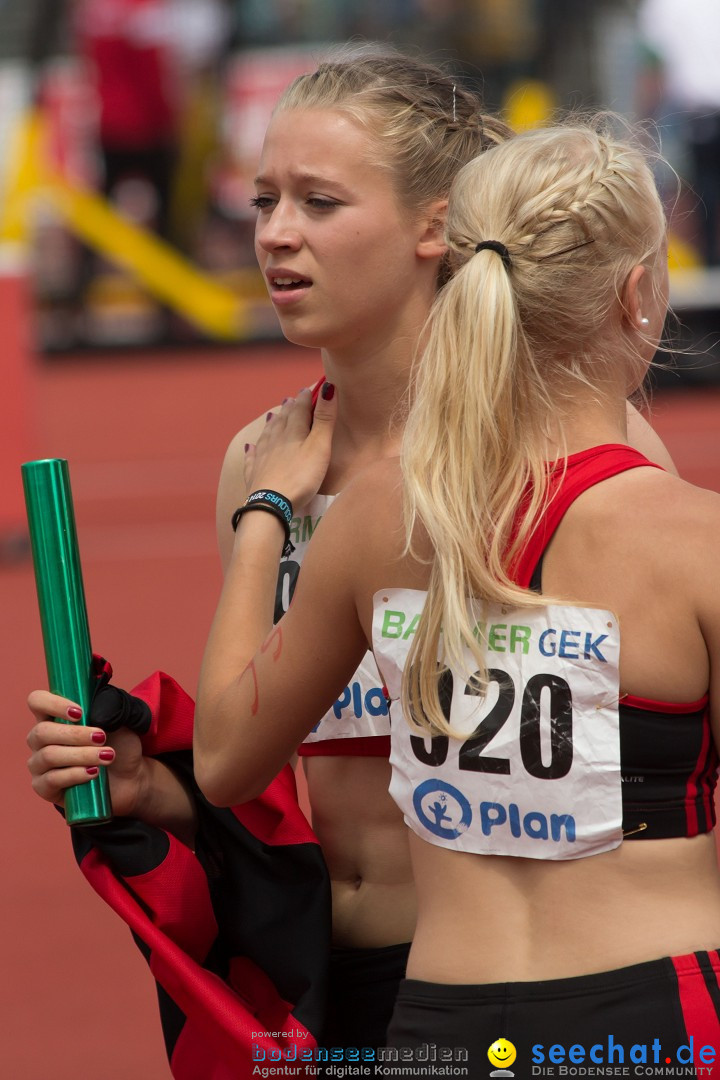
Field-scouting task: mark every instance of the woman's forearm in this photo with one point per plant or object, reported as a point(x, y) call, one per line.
point(243, 620)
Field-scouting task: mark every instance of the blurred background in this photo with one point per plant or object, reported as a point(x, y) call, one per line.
point(172, 148)
point(137, 339)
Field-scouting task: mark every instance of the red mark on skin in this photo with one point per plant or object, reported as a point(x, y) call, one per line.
point(276, 633)
point(256, 702)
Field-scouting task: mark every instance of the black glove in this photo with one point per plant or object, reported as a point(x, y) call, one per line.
point(112, 708)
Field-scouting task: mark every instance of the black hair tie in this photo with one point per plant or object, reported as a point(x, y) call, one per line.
point(495, 245)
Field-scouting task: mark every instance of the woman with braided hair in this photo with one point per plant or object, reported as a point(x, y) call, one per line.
point(546, 631)
point(351, 193)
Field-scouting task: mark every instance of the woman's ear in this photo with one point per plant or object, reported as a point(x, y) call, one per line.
point(637, 298)
point(431, 240)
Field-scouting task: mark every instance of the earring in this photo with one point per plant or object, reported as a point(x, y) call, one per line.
point(644, 322)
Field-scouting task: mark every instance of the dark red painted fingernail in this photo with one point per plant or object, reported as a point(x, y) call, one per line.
point(92, 770)
point(247, 447)
point(328, 391)
point(98, 737)
point(107, 755)
point(268, 417)
point(74, 713)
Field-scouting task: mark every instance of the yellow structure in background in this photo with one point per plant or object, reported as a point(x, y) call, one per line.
point(172, 279)
point(528, 104)
point(681, 255)
point(24, 174)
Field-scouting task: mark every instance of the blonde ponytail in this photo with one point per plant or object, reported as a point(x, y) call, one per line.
point(509, 342)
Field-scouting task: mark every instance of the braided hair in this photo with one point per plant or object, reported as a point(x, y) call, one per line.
point(544, 232)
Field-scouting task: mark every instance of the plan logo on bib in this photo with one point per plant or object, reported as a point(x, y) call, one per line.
point(442, 808)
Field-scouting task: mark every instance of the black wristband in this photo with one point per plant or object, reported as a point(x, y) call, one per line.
point(275, 499)
point(273, 503)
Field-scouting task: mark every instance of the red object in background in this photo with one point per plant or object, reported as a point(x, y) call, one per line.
point(129, 45)
point(16, 427)
point(255, 80)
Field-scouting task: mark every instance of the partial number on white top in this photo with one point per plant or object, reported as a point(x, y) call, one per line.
point(535, 769)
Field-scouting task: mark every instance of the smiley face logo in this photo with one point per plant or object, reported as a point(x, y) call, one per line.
point(502, 1053)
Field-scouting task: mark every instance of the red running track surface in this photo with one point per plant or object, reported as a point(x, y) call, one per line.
point(145, 437)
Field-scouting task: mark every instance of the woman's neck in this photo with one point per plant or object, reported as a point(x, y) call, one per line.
point(372, 372)
point(371, 393)
point(370, 387)
point(590, 422)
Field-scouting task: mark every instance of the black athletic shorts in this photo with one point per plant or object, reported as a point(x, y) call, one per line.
point(660, 1018)
point(363, 987)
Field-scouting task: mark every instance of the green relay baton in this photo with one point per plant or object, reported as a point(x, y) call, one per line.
point(63, 612)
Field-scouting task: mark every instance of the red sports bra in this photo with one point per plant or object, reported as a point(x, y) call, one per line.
point(668, 757)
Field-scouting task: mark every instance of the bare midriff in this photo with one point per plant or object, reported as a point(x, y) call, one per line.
point(486, 919)
point(365, 843)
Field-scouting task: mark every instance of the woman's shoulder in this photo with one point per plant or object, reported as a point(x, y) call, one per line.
point(654, 502)
point(381, 477)
point(691, 519)
point(654, 492)
point(655, 522)
point(365, 532)
point(368, 512)
point(374, 493)
point(235, 454)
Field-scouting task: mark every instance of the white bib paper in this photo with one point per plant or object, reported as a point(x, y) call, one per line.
point(536, 772)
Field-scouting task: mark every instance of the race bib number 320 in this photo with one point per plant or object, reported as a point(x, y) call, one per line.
point(535, 768)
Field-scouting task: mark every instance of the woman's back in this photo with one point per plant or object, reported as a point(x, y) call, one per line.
point(486, 918)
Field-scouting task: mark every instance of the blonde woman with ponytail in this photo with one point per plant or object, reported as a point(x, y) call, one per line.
point(351, 193)
point(542, 603)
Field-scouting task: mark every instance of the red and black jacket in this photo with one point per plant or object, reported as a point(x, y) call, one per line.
point(236, 932)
